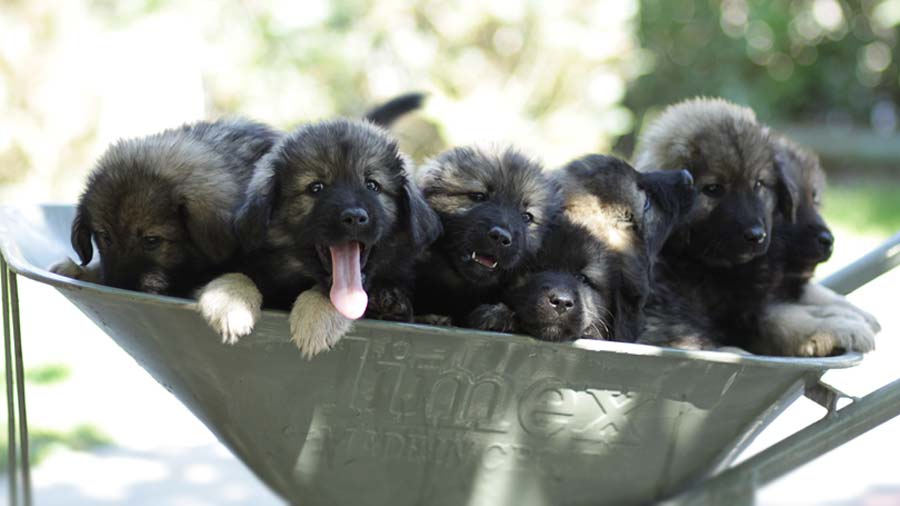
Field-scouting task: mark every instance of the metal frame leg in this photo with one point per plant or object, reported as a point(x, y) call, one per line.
point(19, 476)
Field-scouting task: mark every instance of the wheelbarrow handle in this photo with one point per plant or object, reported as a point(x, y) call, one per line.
point(738, 484)
point(875, 263)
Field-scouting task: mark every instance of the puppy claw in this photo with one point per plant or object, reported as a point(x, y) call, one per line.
point(836, 335)
point(231, 305)
point(316, 326)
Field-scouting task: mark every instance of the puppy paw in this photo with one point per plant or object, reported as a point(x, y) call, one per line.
point(231, 305)
point(437, 320)
point(316, 326)
point(838, 335)
point(72, 270)
point(389, 303)
point(493, 317)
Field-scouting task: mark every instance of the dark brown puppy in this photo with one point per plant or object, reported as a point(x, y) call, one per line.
point(332, 209)
point(159, 208)
point(494, 205)
point(805, 318)
point(593, 274)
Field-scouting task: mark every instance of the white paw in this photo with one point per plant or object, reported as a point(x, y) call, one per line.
point(835, 334)
point(316, 326)
point(69, 269)
point(231, 305)
point(847, 310)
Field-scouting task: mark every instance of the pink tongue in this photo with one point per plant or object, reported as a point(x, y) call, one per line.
point(347, 293)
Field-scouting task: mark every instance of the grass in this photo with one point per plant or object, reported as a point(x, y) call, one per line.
point(868, 208)
point(43, 441)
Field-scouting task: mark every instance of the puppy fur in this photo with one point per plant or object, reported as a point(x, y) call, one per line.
point(592, 275)
point(293, 214)
point(742, 190)
point(160, 208)
point(494, 204)
point(712, 292)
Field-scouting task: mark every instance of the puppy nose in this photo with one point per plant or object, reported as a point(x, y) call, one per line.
point(825, 238)
point(354, 217)
point(500, 236)
point(686, 178)
point(561, 301)
point(755, 234)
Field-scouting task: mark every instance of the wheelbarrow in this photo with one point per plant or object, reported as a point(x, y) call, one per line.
point(403, 414)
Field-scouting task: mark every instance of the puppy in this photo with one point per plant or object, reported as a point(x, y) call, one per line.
point(160, 208)
point(564, 295)
point(593, 275)
point(716, 267)
point(797, 322)
point(742, 189)
point(494, 205)
point(330, 209)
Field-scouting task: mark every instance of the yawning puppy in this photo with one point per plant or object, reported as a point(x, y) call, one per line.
point(331, 209)
point(159, 208)
point(494, 205)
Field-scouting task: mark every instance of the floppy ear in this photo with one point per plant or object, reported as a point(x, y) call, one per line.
point(424, 224)
point(209, 228)
point(81, 235)
point(252, 216)
point(787, 192)
point(628, 299)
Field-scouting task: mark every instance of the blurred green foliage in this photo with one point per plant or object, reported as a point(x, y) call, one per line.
point(814, 61)
point(866, 208)
point(42, 441)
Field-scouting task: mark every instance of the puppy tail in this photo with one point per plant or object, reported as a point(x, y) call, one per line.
point(385, 114)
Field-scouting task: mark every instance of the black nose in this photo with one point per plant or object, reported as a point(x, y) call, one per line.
point(756, 234)
point(354, 218)
point(686, 178)
point(500, 236)
point(825, 238)
point(561, 301)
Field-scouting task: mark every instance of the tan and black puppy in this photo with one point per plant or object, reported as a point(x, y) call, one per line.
point(592, 276)
point(331, 209)
point(564, 293)
point(494, 205)
point(719, 266)
point(742, 189)
point(160, 208)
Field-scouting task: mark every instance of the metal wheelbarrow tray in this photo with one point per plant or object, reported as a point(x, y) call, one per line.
point(403, 414)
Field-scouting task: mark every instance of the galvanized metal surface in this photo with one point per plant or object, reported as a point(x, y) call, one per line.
point(409, 414)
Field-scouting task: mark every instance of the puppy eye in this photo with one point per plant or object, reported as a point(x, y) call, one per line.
point(151, 242)
point(582, 278)
point(759, 184)
point(315, 187)
point(527, 217)
point(373, 185)
point(647, 204)
point(713, 190)
point(478, 197)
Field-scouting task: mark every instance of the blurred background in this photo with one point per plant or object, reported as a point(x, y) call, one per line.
point(559, 78)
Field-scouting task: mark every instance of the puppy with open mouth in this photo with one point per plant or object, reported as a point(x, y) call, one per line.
point(159, 208)
point(332, 209)
point(494, 204)
point(591, 277)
